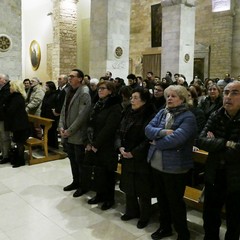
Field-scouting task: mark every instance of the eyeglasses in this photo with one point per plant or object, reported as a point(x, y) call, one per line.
point(102, 88)
point(158, 90)
point(71, 76)
point(231, 93)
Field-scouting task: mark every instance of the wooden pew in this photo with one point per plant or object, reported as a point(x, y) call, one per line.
point(200, 156)
point(43, 142)
point(192, 196)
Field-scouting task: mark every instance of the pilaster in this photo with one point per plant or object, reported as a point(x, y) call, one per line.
point(178, 36)
point(64, 50)
point(109, 37)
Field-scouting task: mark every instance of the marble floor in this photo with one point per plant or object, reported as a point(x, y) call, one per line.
point(33, 206)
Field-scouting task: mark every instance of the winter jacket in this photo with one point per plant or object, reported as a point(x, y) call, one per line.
point(34, 101)
point(75, 121)
point(224, 129)
point(136, 177)
point(102, 129)
point(177, 147)
point(4, 93)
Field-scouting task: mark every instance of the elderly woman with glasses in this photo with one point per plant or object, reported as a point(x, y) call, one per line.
point(133, 145)
point(172, 132)
point(104, 120)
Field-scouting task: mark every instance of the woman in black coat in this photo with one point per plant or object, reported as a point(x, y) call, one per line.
point(104, 121)
point(49, 103)
point(136, 180)
point(212, 102)
point(16, 119)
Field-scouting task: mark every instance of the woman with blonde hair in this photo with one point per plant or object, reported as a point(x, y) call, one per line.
point(16, 119)
point(172, 132)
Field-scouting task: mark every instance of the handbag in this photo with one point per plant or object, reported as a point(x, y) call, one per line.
point(156, 160)
point(93, 177)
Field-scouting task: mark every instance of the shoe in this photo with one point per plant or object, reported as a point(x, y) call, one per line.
point(95, 200)
point(18, 165)
point(4, 160)
point(106, 205)
point(72, 186)
point(161, 233)
point(127, 217)
point(142, 224)
point(79, 193)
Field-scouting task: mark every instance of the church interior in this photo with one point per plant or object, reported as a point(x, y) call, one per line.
point(48, 38)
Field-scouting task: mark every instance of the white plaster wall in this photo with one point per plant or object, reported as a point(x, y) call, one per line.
point(36, 25)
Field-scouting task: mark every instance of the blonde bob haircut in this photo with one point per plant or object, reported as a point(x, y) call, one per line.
point(179, 90)
point(18, 86)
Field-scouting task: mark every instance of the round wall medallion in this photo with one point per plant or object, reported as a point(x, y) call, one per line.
point(5, 43)
point(118, 52)
point(186, 57)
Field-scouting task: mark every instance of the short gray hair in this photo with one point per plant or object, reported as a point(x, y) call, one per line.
point(180, 91)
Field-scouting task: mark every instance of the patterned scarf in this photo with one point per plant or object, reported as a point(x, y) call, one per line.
point(171, 113)
point(99, 105)
point(131, 117)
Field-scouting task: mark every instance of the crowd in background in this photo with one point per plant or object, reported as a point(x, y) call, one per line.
point(150, 125)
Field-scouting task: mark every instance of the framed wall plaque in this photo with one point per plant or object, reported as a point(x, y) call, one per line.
point(5, 43)
point(35, 54)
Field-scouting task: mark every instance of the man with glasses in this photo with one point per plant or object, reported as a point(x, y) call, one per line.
point(34, 97)
point(73, 126)
point(158, 98)
point(221, 138)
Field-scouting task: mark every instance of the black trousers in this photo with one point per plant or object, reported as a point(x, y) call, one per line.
point(215, 197)
point(170, 192)
point(138, 206)
point(76, 155)
point(108, 193)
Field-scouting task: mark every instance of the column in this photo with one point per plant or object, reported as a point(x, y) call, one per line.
point(64, 49)
point(109, 37)
point(222, 42)
point(178, 36)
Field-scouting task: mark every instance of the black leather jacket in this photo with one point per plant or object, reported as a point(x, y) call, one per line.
point(224, 129)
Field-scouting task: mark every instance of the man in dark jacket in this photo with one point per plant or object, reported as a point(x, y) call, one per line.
point(4, 135)
point(221, 138)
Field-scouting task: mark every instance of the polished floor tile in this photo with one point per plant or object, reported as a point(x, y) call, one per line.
point(33, 206)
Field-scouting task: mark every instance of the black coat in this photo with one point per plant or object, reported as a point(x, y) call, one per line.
point(15, 116)
point(60, 97)
point(49, 102)
point(136, 177)
point(208, 107)
point(103, 124)
point(221, 157)
point(4, 93)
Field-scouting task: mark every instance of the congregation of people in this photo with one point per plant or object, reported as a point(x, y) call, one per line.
point(150, 126)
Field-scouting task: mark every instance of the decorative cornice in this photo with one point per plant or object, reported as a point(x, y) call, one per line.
point(189, 3)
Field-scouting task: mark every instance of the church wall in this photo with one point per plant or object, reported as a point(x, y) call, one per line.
point(220, 62)
point(236, 42)
point(140, 32)
point(10, 19)
point(36, 26)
